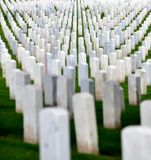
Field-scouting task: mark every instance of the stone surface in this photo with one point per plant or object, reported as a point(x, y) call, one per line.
point(22, 79)
point(94, 66)
point(64, 93)
point(69, 72)
point(82, 72)
point(143, 75)
point(122, 99)
point(54, 134)
point(12, 83)
point(50, 89)
point(100, 78)
point(85, 123)
point(38, 74)
point(134, 89)
point(145, 113)
point(120, 70)
point(136, 143)
point(87, 85)
point(112, 73)
point(32, 105)
point(112, 105)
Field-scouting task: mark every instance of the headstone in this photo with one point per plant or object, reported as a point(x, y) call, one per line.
point(100, 78)
point(120, 70)
point(64, 93)
point(143, 75)
point(122, 99)
point(136, 143)
point(94, 66)
point(31, 61)
point(104, 61)
point(33, 103)
point(12, 83)
point(69, 72)
point(82, 58)
point(87, 85)
point(54, 134)
point(82, 72)
point(50, 89)
point(71, 60)
point(145, 113)
point(85, 123)
point(38, 74)
point(11, 64)
point(112, 73)
point(134, 89)
point(22, 79)
point(147, 67)
point(55, 67)
point(112, 105)
point(128, 66)
point(113, 58)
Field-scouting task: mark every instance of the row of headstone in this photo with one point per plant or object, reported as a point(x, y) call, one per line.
point(110, 69)
point(29, 101)
point(93, 70)
point(26, 94)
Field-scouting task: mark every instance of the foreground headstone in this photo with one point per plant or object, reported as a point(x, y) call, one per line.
point(85, 123)
point(112, 104)
point(32, 105)
point(54, 134)
point(134, 89)
point(145, 113)
point(136, 143)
